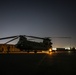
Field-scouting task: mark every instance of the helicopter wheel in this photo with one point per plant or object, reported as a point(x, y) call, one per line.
point(35, 51)
point(28, 51)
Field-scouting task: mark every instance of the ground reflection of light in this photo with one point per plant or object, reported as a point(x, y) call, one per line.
point(69, 51)
point(50, 53)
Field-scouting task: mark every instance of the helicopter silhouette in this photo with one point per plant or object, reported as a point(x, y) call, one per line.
point(27, 45)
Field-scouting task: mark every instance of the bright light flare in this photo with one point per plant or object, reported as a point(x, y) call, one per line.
point(68, 48)
point(50, 49)
point(54, 48)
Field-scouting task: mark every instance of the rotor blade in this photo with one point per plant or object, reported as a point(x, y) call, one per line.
point(34, 37)
point(8, 37)
point(30, 39)
point(60, 37)
point(11, 40)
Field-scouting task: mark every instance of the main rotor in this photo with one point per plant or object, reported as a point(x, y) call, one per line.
point(24, 36)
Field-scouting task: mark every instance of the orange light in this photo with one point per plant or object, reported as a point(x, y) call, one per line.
point(50, 49)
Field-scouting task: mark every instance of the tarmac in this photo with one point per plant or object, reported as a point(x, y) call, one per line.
point(54, 63)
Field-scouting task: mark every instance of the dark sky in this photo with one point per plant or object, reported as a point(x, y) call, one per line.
point(42, 18)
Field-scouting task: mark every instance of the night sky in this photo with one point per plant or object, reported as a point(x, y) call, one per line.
point(42, 18)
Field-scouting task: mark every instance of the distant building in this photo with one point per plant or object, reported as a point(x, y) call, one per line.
point(4, 48)
point(73, 49)
point(60, 49)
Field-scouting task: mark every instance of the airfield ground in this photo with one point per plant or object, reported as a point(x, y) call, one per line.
point(55, 63)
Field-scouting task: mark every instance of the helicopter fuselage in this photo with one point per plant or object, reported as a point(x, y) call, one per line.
point(31, 45)
point(24, 44)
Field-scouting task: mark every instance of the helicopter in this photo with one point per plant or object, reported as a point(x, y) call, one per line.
point(27, 45)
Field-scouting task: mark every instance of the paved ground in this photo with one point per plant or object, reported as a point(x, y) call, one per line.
point(56, 63)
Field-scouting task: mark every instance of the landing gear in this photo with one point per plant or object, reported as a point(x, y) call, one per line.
point(28, 51)
point(35, 51)
point(49, 51)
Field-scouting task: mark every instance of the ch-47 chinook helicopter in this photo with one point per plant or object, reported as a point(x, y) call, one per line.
point(27, 45)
